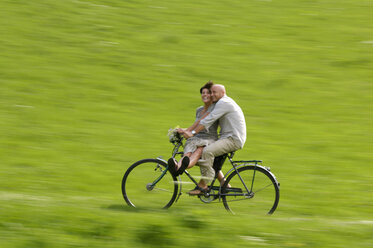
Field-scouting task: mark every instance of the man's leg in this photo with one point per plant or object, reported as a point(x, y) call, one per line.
point(221, 178)
point(217, 148)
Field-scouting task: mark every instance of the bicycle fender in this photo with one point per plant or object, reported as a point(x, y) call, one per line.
point(260, 166)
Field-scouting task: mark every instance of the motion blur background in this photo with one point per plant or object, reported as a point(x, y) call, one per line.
point(89, 87)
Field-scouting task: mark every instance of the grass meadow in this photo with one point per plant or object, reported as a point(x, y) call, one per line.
point(89, 87)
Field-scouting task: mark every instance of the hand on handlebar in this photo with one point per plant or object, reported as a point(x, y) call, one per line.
point(181, 130)
point(187, 134)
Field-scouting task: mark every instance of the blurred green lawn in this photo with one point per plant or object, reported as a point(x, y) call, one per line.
point(89, 87)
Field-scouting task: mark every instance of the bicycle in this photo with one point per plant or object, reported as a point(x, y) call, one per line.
point(148, 184)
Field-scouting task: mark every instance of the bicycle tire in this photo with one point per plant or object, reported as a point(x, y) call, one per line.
point(263, 194)
point(136, 183)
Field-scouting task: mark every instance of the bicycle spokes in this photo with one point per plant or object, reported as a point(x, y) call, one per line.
point(147, 183)
point(258, 188)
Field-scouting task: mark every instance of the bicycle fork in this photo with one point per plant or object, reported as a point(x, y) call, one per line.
point(150, 186)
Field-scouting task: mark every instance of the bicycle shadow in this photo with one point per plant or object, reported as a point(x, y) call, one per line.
point(125, 208)
point(121, 208)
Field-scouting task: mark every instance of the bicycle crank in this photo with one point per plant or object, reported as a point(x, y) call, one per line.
point(207, 197)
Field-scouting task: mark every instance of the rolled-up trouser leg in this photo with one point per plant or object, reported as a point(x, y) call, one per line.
point(211, 151)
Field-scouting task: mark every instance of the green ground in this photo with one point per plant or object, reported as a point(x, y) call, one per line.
point(89, 87)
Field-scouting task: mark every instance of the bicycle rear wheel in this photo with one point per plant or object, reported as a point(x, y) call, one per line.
point(253, 189)
point(147, 184)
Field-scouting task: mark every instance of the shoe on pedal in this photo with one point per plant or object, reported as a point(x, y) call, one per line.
point(184, 165)
point(172, 166)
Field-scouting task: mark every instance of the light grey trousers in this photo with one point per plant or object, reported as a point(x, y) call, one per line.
point(213, 150)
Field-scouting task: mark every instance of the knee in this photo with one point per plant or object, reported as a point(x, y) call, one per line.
point(207, 151)
point(207, 154)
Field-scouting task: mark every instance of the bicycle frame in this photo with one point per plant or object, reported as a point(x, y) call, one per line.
point(235, 164)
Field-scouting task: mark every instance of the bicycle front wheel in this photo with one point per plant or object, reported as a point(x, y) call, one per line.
point(252, 189)
point(147, 184)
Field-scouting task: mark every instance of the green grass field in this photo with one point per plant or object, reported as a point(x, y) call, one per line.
point(89, 87)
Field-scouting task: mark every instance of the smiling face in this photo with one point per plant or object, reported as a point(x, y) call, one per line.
point(217, 92)
point(206, 96)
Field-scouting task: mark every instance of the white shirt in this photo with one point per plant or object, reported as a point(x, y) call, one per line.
point(231, 120)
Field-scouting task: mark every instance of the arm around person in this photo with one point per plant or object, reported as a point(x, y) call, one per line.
point(199, 116)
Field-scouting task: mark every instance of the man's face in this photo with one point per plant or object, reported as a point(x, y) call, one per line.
point(216, 93)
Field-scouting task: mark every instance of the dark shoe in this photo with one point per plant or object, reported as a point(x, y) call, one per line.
point(172, 166)
point(184, 165)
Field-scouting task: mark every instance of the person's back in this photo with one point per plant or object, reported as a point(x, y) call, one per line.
point(231, 120)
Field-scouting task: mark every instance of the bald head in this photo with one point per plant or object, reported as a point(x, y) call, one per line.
point(217, 92)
